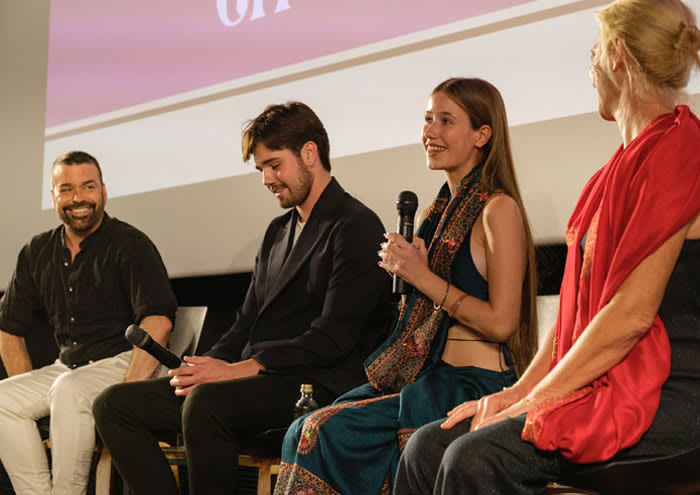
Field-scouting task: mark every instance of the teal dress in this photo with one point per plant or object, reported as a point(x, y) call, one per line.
point(355, 443)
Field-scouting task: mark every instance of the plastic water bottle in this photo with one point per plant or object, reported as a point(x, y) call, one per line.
point(306, 402)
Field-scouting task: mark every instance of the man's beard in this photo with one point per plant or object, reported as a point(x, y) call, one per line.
point(299, 191)
point(85, 224)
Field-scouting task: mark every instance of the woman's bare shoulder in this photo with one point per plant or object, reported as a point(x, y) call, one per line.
point(499, 207)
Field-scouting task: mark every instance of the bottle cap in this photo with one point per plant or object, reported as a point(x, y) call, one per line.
point(307, 388)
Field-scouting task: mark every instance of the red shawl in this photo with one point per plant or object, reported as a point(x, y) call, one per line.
point(646, 193)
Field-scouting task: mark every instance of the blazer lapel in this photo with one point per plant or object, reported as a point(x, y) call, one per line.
point(277, 255)
point(302, 250)
point(320, 221)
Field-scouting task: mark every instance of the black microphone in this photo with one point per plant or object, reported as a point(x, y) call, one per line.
point(140, 338)
point(406, 204)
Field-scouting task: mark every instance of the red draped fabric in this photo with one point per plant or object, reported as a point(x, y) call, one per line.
point(646, 193)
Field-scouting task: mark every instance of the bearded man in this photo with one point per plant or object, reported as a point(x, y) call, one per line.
point(86, 280)
point(317, 304)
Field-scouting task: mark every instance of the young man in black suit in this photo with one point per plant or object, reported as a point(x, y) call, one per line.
point(316, 306)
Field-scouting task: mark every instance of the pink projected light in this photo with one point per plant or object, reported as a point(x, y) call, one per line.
point(111, 54)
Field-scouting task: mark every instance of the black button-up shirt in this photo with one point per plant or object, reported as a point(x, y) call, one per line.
point(117, 279)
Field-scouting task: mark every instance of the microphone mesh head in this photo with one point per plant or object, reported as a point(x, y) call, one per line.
point(407, 203)
point(136, 335)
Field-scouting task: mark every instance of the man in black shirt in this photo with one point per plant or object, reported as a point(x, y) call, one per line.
point(88, 279)
point(316, 306)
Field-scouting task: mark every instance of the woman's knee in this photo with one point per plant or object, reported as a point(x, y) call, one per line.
point(460, 456)
point(489, 445)
point(424, 446)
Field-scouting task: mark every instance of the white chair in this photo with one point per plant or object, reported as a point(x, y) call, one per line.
point(184, 338)
point(547, 309)
point(191, 319)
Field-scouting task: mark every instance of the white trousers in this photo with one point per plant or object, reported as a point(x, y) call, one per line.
point(67, 395)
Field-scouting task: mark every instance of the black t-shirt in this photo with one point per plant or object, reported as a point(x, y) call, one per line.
point(117, 279)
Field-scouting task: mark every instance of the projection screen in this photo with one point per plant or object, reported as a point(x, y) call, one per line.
point(160, 90)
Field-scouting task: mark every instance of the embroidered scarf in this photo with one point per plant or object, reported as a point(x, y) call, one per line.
point(399, 360)
point(646, 193)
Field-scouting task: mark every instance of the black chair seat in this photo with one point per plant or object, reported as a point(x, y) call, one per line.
point(677, 474)
point(265, 444)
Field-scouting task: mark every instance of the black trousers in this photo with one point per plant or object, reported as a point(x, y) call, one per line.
point(216, 420)
point(494, 460)
point(491, 460)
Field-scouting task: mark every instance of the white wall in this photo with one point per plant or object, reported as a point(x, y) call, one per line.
point(22, 86)
point(554, 158)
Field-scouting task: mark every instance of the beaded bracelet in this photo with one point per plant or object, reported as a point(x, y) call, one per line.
point(438, 307)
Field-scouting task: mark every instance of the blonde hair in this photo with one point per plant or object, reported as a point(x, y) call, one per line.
point(660, 36)
point(484, 106)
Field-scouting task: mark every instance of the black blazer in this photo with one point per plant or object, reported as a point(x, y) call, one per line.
point(323, 310)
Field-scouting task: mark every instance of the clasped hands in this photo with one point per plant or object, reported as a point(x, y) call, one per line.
point(406, 260)
point(490, 409)
point(205, 369)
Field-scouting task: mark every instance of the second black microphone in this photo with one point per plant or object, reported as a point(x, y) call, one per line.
point(140, 338)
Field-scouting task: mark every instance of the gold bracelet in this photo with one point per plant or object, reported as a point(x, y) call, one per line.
point(452, 312)
point(438, 307)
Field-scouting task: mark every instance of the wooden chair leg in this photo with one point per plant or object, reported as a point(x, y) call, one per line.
point(176, 474)
point(557, 489)
point(266, 466)
point(105, 475)
point(264, 478)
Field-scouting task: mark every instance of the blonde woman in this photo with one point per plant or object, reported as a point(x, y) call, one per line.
point(606, 383)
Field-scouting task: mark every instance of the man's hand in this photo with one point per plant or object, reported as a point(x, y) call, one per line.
point(204, 369)
point(487, 410)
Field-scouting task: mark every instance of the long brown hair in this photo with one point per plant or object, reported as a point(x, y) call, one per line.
point(484, 106)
